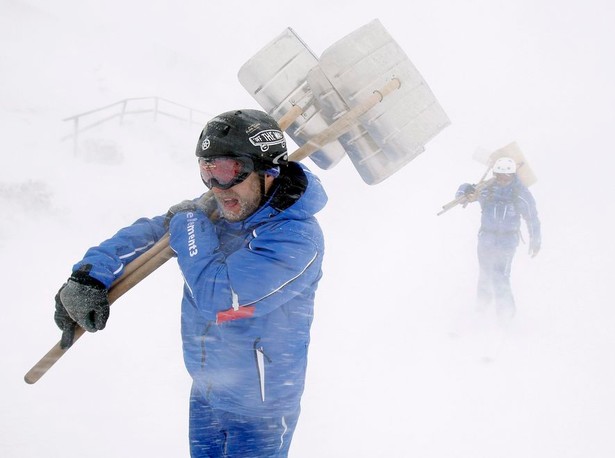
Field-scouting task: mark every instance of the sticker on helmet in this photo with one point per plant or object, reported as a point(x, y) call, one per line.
point(266, 138)
point(283, 156)
point(205, 144)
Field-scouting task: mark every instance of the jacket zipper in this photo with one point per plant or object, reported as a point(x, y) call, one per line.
point(259, 352)
point(203, 350)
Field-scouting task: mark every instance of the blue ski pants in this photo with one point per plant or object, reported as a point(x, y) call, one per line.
point(495, 255)
point(220, 434)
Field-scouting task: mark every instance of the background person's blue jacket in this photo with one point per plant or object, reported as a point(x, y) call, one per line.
point(502, 208)
point(248, 296)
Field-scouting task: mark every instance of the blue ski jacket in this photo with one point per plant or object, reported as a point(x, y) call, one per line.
point(248, 297)
point(502, 208)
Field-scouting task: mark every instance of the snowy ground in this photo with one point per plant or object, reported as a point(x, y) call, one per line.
point(386, 378)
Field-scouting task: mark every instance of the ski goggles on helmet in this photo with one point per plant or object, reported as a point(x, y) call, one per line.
point(224, 172)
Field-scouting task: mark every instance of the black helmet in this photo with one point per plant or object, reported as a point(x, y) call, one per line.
point(249, 134)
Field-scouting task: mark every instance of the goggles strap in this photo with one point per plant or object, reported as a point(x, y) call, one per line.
point(273, 171)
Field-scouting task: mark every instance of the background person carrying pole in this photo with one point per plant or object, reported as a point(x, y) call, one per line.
point(503, 202)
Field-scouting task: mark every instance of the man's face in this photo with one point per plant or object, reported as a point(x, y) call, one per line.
point(239, 201)
point(504, 179)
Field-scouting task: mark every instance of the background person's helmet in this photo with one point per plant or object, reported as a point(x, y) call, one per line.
point(251, 134)
point(505, 165)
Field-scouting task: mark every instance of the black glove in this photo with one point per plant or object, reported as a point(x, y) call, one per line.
point(206, 203)
point(84, 299)
point(469, 190)
point(64, 322)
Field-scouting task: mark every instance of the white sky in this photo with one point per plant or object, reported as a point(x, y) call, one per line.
point(384, 378)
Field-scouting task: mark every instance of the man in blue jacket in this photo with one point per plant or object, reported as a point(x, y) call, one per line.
point(250, 279)
point(503, 203)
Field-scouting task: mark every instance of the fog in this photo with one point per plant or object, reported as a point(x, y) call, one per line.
point(386, 378)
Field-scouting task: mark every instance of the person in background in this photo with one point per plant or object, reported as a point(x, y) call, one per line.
point(503, 202)
point(251, 261)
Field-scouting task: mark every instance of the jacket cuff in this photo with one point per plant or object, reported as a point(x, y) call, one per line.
point(82, 276)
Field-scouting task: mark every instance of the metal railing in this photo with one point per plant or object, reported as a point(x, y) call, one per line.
point(158, 106)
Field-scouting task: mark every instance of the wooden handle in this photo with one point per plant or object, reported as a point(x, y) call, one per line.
point(149, 261)
point(344, 123)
